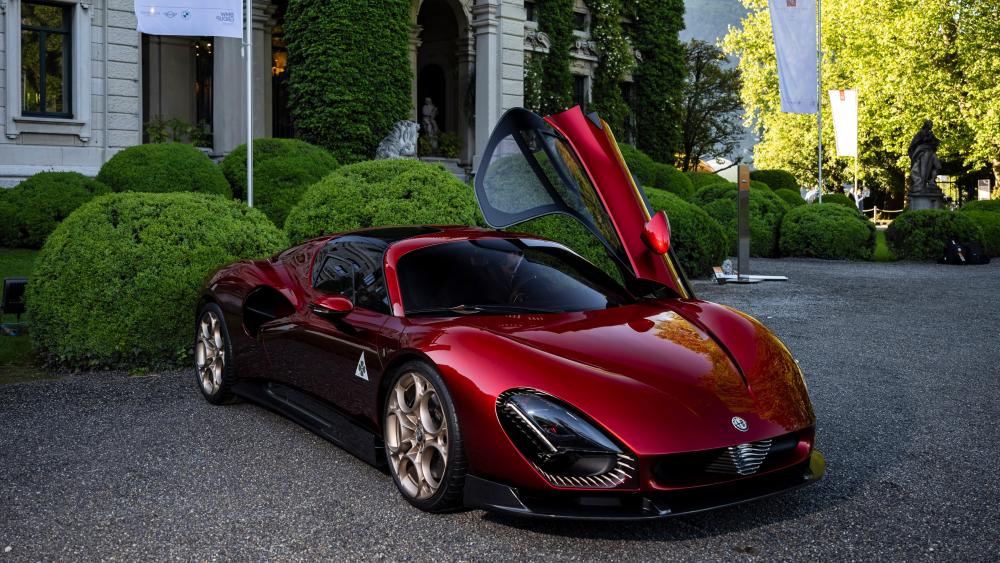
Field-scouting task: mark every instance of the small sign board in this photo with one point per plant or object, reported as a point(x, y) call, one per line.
point(984, 189)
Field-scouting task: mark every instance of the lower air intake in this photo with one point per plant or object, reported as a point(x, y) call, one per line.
point(744, 459)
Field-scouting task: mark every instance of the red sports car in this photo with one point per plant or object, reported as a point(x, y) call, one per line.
point(502, 371)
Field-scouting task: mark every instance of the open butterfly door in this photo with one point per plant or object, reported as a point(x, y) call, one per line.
point(569, 163)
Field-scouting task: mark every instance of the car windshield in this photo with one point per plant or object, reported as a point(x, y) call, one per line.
point(503, 276)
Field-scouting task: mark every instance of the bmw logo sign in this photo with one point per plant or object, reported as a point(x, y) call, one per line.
point(740, 424)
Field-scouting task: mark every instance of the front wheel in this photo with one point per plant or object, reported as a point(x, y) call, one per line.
point(213, 353)
point(423, 441)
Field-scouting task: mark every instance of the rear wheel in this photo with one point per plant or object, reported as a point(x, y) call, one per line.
point(423, 442)
point(212, 355)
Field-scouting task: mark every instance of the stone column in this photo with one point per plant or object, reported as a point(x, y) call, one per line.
point(499, 30)
point(263, 99)
point(229, 97)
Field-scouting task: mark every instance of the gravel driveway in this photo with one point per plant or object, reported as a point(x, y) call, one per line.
point(902, 361)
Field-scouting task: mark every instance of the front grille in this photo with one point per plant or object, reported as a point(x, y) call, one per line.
point(744, 459)
point(733, 462)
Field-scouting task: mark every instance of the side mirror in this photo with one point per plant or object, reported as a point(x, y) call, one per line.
point(656, 233)
point(331, 306)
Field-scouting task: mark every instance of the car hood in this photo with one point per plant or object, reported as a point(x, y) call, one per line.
point(645, 371)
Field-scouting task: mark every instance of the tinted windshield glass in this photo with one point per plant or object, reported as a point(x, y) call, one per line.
point(500, 276)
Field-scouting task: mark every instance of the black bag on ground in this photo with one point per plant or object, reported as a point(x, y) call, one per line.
point(963, 254)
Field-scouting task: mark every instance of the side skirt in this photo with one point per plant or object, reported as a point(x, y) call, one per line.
point(317, 416)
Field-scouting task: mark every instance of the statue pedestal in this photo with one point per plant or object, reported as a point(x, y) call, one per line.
point(926, 201)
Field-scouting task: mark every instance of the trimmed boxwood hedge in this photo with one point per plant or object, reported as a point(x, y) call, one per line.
point(283, 170)
point(672, 180)
point(776, 179)
point(923, 235)
point(381, 192)
point(640, 163)
point(117, 283)
point(840, 199)
point(570, 232)
point(792, 198)
point(989, 224)
point(163, 167)
point(766, 211)
point(991, 205)
point(826, 230)
point(30, 211)
point(701, 179)
point(696, 238)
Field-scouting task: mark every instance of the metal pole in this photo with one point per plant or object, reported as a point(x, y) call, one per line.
point(248, 54)
point(819, 93)
point(743, 222)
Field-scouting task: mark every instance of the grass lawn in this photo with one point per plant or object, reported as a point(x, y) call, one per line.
point(882, 252)
point(15, 351)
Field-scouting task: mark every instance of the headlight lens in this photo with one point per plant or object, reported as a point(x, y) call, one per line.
point(564, 446)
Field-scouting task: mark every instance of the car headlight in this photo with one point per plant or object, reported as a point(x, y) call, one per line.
point(566, 448)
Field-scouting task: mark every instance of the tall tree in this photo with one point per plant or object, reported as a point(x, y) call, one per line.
point(911, 60)
point(712, 109)
point(659, 79)
point(555, 18)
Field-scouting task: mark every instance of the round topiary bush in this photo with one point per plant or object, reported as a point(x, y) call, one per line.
point(283, 170)
point(923, 235)
point(117, 282)
point(672, 180)
point(989, 223)
point(776, 179)
point(701, 179)
point(990, 205)
point(32, 209)
point(840, 199)
point(792, 198)
point(696, 238)
point(164, 167)
point(381, 192)
point(766, 211)
point(826, 230)
point(639, 163)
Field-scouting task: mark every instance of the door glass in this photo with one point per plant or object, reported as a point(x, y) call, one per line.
point(352, 266)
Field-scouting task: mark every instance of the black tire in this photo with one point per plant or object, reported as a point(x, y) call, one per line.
point(448, 495)
point(220, 393)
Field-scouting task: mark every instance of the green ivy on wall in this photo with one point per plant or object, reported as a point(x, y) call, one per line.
point(616, 61)
point(555, 19)
point(533, 65)
point(350, 73)
point(659, 78)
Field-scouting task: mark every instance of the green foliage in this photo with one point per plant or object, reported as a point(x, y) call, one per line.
point(639, 163)
point(826, 230)
point(158, 168)
point(792, 198)
point(283, 170)
point(615, 63)
point(776, 179)
point(32, 209)
point(555, 18)
point(533, 70)
point(882, 252)
point(989, 223)
point(766, 211)
point(923, 235)
point(701, 179)
point(991, 205)
point(349, 64)
point(711, 126)
point(697, 239)
point(571, 233)
point(177, 130)
point(381, 192)
point(118, 281)
point(672, 180)
point(659, 79)
point(840, 199)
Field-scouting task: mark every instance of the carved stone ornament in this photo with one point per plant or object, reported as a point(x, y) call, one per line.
point(537, 41)
point(401, 142)
point(584, 48)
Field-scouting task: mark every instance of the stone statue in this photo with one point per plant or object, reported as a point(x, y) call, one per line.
point(431, 129)
point(401, 142)
point(924, 163)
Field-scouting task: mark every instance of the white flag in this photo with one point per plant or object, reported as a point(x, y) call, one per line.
point(844, 104)
point(793, 23)
point(213, 18)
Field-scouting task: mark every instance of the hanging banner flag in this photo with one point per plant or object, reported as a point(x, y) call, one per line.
point(214, 18)
point(793, 23)
point(844, 104)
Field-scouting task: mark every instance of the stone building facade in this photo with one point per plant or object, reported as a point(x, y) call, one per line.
point(98, 84)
